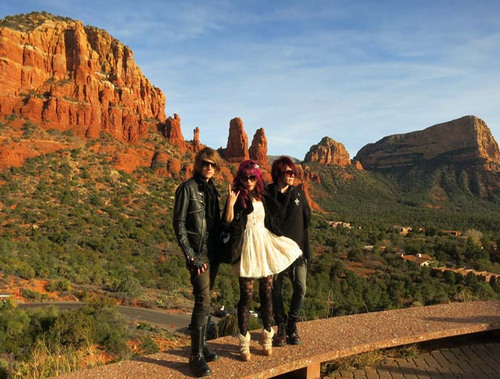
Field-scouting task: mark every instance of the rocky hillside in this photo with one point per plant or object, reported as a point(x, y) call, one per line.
point(466, 141)
point(63, 75)
point(328, 151)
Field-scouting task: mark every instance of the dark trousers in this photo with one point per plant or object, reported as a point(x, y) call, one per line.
point(202, 286)
point(297, 273)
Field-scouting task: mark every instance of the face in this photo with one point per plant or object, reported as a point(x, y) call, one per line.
point(249, 181)
point(208, 169)
point(287, 177)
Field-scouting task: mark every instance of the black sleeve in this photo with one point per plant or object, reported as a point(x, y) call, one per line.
point(179, 220)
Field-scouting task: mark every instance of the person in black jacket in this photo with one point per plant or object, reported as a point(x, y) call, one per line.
point(196, 223)
point(294, 224)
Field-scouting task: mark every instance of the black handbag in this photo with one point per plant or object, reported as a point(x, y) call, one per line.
point(225, 255)
point(230, 244)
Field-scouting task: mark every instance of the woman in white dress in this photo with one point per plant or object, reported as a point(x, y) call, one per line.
point(261, 252)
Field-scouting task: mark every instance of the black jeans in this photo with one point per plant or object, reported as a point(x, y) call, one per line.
point(202, 286)
point(297, 273)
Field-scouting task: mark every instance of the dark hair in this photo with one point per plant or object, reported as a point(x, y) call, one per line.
point(279, 166)
point(206, 153)
point(247, 168)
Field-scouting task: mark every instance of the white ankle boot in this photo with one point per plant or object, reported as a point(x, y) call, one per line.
point(267, 341)
point(245, 347)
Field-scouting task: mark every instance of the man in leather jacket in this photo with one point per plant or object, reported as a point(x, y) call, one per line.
point(196, 224)
point(296, 216)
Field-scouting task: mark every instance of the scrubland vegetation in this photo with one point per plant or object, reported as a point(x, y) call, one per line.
point(94, 232)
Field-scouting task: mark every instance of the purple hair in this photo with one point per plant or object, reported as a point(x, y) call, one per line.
point(248, 168)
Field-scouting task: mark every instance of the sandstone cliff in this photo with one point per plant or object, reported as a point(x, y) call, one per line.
point(258, 149)
point(63, 75)
point(466, 141)
point(328, 151)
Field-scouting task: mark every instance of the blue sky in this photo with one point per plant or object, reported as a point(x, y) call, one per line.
point(355, 71)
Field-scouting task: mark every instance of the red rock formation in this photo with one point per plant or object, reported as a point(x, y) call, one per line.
point(328, 152)
point(174, 133)
point(174, 167)
point(132, 158)
point(237, 142)
point(13, 154)
point(466, 141)
point(160, 163)
point(315, 206)
point(61, 74)
point(358, 165)
point(258, 149)
point(197, 146)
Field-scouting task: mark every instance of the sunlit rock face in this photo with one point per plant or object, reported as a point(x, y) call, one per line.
point(63, 75)
point(466, 141)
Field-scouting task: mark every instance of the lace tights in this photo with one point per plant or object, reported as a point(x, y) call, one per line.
point(266, 304)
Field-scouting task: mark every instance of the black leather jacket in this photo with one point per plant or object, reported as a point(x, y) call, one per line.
point(190, 221)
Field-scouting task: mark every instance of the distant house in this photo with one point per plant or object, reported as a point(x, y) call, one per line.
point(4, 297)
point(403, 230)
point(454, 233)
point(342, 224)
point(371, 248)
point(423, 260)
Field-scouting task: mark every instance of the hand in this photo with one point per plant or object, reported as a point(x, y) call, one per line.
point(195, 264)
point(232, 196)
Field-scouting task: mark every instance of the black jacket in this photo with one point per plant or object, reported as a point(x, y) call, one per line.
point(190, 217)
point(295, 215)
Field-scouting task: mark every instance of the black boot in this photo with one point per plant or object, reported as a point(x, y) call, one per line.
point(293, 337)
point(279, 338)
point(197, 361)
point(210, 356)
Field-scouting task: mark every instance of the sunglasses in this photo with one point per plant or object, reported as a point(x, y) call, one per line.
point(252, 178)
point(289, 173)
point(209, 164)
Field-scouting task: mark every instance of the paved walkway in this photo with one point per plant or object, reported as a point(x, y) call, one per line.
point(324, 340)
point(476, 356)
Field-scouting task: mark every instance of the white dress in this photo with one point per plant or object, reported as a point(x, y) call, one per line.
point(264, 253)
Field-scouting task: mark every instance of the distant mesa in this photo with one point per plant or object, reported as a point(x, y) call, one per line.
point(328, 152)
point(63, 75)
point(466, 141)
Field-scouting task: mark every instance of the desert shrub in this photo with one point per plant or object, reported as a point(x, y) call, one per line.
point(30, 294)
point(148, 345)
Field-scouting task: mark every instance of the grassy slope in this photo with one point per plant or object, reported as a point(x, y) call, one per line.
point(441, 197)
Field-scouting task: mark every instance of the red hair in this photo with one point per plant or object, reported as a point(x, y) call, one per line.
point(279, 166)
point(248, 168)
